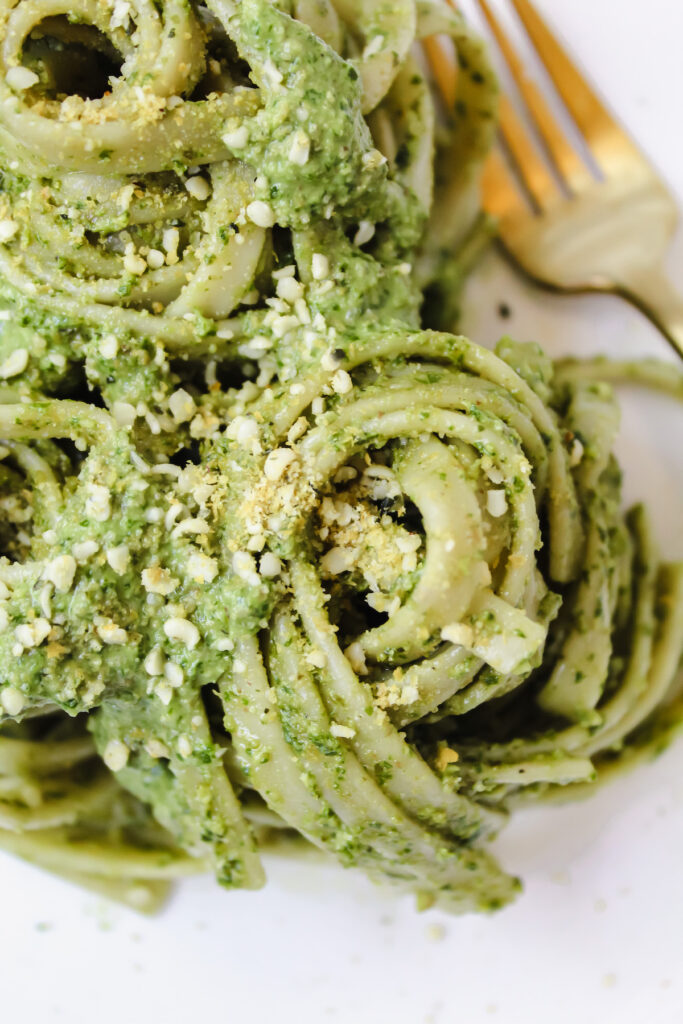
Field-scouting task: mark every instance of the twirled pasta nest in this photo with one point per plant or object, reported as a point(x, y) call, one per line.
point(153, 213)
point(289, 564)
point(407, 581)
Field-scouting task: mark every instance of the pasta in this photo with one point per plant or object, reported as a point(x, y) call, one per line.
point(284, 561)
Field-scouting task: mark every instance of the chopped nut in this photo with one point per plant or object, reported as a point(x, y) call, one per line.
point(119, 558)
point(98, 503)
point(185, 746)
point(576, 453)
point(355, 655)
point(115, 755)
point(198, 188)
point(132, 263)
point(21, 78)
point(12, 700)
point(156, 749)
point(61, 571)
point(154, 662)
point(84, 550)
point(277, 461)
point(177, 628)
point(337, 560)
point(170, 242)
point(174, 674)
point(342, 731)
point(202, 568)
point(341, 382)
point(244, 565)
point(237, 138)
point(261, 214)
point(320, 266)
point(8, 229)
point(270, 565)
point(155, 259)
point(316, 658)
point(182, 406)
point(365, 232)
point(109, 346)
point(15, 363)
point(124, 413)
point(289, 289)
point(156, 580)
point(496, 503)
point(458, 633)
point(32, 634)
point(300, 148)
point(110, 633)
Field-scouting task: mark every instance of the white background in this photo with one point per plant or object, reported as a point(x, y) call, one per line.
point(597, 935)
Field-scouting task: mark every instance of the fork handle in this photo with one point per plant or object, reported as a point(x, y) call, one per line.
point(662, 303)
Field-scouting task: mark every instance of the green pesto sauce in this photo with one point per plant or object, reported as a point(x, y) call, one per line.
point(141, 637)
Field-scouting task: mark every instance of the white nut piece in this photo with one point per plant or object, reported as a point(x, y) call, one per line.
point(12, 700)
point(342, 731)
point(110, 633)
point(237, 138)
point(365, 232)
point(20, 78)
point(341, 382)
point(261, 214)
point(182, 406)
point(98, 503)
point(198, 188)
point(202, 568)
point(154, 662)
point(109, 346)
point(157, 580)
point(270, 565)
point(115, 755)
point(300, 149)
point(32, 634)
point(118, 558)
point(15, 363)
point(185, 746)
point(496, 503)
point(61, 571)
point(174, 674)
point(289, 289)
point(277, 461)
point(182, 630)
point(458, 633)
point(320, 266)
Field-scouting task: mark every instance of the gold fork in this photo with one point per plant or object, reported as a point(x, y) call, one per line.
point(568, 226)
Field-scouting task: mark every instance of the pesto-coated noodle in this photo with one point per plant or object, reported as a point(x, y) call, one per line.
point(279, 560)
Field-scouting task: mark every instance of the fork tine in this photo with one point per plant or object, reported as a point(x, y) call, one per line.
point(606, 139)
point(500, 194)
point(532, 169)
point(444, 69)
point(563, 155)
point(529, 163)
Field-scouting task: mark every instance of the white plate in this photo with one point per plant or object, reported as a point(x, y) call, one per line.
point(598, 933)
